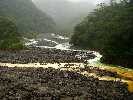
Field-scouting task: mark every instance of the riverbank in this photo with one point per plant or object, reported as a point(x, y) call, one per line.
point(59, 74)
point(58, 84)
point(125, 73)
point(44, 56)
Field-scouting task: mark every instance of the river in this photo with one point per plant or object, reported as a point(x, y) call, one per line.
point(60, 42)
point(55, 41)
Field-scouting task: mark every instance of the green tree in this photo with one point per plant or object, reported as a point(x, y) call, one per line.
point(119, 48)
point(27, 17)
point(108, 29)
point(9, 37)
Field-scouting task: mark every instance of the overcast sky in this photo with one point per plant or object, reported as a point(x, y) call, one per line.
point(89, 1)
point(94, 1)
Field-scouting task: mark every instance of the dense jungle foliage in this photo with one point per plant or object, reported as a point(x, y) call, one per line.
point(27, 17)
point(21, 18)
point(9, 36)
point(108, 29)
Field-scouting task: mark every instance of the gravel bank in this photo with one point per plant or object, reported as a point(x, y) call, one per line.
point(38, 55)
point(55, 84)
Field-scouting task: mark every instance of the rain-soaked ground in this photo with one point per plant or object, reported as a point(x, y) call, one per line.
point(50, 70)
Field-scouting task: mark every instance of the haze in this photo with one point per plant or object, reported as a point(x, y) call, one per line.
point(93, 1)
point(67, 13)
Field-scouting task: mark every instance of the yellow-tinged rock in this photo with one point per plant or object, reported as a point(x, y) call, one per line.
point(126, 74)
point(130, 86)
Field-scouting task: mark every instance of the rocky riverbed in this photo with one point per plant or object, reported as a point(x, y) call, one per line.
point(50, 70)
point(69, 81)
point(56, 84)
point(38, 55)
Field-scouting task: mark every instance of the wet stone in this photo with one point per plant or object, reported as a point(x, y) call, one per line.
point(43, 56)
point(50, 84)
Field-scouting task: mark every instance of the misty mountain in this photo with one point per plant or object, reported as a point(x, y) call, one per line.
point(65, 13)
point(27, 17)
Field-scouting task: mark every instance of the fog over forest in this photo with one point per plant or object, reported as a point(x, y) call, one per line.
point(67, 13)
point(66, 49)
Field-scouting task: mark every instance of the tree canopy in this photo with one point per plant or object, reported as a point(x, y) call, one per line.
point(108, 29)
point(9, 37)
point(27, 17)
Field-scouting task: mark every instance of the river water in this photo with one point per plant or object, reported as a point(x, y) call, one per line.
point(55, 41)
point(52, 40)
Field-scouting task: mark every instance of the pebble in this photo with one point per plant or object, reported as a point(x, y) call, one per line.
point(54, 84)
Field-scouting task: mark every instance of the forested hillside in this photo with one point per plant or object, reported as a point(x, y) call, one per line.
point(108, 29)
point(26, 16)
point(65, 12)
point(9, 36)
